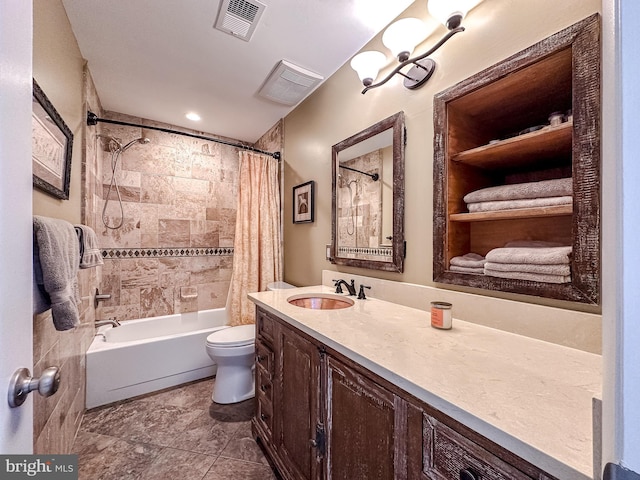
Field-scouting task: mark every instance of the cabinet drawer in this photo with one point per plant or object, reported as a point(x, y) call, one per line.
point(454, 456)
point(264, 357)
point(264, 414)
point(265, 388)
point(266, 326)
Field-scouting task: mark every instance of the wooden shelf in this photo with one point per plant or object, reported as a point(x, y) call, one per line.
point(558, 73)
point(522, 150)
point(554, 211)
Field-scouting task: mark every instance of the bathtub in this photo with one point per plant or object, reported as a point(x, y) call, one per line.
point(150, 354)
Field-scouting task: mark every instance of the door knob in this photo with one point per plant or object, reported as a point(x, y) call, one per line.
point(22, 383)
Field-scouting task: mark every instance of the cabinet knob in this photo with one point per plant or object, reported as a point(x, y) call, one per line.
point(313, 443)
point(469, 474)
point(264, 387)
point(264, 417)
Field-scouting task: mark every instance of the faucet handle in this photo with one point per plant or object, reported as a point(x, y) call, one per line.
point(361, 295)
point(336, 284)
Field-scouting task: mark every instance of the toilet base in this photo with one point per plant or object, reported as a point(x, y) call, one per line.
point(233, 384)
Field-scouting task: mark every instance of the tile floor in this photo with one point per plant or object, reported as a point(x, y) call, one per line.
point(177, 433)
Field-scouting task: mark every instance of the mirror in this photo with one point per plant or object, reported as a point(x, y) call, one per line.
point(367, 212)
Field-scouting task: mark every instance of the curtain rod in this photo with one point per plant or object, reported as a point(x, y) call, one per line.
point(374, 176)
point(92, 119)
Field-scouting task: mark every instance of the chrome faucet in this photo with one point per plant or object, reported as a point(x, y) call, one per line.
point(112, 321)
point(350, 287)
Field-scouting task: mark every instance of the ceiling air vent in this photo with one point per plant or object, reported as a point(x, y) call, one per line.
point(239, 17)
point(288, 83)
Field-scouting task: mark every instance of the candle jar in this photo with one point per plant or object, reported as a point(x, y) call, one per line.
point(441, 315)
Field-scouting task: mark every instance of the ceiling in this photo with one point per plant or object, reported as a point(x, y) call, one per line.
point(159, 59)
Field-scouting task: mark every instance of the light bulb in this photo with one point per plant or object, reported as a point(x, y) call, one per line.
point(402, 37)
point(367, 65)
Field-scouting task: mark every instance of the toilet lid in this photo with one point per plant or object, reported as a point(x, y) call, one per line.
point(233, 336)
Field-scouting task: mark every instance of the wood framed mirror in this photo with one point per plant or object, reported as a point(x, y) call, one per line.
point(367, 213)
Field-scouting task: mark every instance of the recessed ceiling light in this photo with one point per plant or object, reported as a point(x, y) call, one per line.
point(193, 116)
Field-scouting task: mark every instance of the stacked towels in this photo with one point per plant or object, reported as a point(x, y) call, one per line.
point(468, 263)
point(522, 195)
point(536, 261)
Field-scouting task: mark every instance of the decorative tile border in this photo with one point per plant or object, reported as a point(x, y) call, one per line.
point(119, 253)
point(377, 252)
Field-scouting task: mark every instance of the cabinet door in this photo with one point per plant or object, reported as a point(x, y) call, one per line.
point(297, 400)
point(366, 427)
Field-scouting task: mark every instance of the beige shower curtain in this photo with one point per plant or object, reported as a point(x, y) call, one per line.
point(257, 258)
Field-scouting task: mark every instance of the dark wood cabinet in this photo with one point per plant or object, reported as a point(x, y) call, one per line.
point(365, 426)
point(321, 415)
point(298, 426)
point(493, 129)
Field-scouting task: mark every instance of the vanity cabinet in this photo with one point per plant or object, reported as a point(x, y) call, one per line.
point(298, 425)
point(331, 418)
point(365, 426)
point(493, 129)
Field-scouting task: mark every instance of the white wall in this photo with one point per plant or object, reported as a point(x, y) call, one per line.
point(621, 257)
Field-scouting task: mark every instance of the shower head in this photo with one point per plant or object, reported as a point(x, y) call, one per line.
point(141, 140)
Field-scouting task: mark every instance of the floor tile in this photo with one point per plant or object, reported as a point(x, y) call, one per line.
point(232, 469)
point(243, 446)
point(177, 433)
point(107, 458)
point(174, 464)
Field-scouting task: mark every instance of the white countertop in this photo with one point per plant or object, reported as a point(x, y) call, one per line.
point(532, 397)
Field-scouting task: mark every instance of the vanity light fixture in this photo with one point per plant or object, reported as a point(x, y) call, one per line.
point(402, 37)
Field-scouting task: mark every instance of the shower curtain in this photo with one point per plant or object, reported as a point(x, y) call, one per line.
point(257, 257)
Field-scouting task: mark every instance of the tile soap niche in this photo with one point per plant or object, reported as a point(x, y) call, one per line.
point(532, 117)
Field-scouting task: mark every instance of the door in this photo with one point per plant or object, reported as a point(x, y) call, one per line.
point(298, 443)
point(16, 338)
point(366, 427)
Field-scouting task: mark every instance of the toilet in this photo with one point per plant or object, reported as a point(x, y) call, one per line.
point(232, 349)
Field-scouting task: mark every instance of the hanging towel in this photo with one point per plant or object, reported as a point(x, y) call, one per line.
point(89, 250)
point(468, 260)
point(519, 203)
point(559, 187)
point(535, 255)
point(56, 258)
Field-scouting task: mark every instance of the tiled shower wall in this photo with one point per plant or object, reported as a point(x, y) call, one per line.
point(174, 251)
point(57, 418)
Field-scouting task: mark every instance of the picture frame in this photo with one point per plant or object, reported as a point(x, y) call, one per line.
point(52, 143)
point(303, 202)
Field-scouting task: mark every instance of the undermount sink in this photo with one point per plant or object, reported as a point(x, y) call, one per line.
point(320, 301)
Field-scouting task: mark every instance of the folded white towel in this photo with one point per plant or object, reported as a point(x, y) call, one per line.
point(56, 257)
point(477, 270)
point(532, 244)
point(536, 277)
point(523, 203)
point(558, 187)
point(537, 256)
point(555, 269)
point(468, 260)
point(90, 255)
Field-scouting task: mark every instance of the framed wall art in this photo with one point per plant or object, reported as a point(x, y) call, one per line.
point(303, 206)
point(52, 142)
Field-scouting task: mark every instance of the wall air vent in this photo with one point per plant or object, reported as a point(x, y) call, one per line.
point(239, 17)
point(288, 83)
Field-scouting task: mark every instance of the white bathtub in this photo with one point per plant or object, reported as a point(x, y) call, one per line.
point(143, 356)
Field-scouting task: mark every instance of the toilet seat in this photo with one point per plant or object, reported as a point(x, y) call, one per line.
point(233, 336)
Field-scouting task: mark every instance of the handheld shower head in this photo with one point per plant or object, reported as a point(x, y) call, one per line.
point(141, 140)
